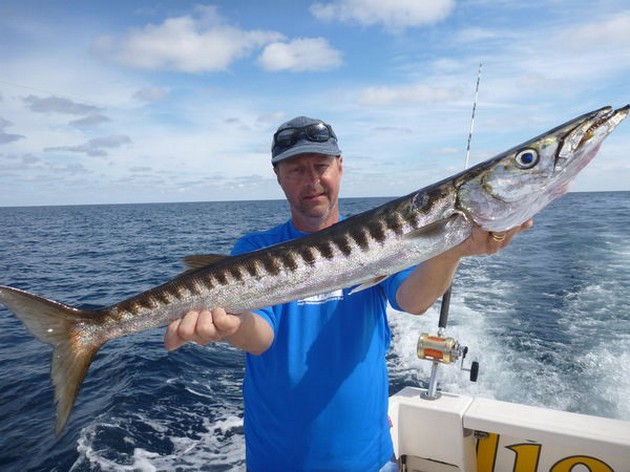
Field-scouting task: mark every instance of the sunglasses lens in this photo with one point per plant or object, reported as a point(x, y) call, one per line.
point(285, 137)
point(318, 132)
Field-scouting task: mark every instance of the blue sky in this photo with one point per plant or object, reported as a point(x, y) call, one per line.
point(143, 101)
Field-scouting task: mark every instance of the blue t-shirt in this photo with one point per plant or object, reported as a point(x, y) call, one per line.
point(317, 399)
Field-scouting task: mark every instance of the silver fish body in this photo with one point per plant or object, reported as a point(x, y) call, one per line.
point(360, 251)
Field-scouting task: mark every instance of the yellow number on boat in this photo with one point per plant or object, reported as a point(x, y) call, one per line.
point(527, 458)
point(567, 464)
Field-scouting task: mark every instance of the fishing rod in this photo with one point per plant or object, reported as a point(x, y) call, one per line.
point(440, 349)
point(446, 298)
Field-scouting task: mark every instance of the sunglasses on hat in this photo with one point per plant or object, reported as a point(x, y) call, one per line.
point(316, 132)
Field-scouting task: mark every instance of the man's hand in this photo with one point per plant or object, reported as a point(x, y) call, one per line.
point(486, 242)
point(201, 327)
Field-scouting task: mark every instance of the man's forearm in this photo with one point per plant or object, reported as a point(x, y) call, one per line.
point(427, 283)
point(432, 278)
point(254, 334)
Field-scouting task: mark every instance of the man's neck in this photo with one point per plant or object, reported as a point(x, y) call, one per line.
point(312, 224)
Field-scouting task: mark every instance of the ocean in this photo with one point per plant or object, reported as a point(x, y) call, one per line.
point(548, 320)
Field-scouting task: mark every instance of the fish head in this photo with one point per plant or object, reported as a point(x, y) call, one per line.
point(507, 190)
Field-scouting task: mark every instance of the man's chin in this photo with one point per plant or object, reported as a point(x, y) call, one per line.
point(316, 208)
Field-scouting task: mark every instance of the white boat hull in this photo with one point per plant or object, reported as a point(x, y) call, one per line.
point(460, 433)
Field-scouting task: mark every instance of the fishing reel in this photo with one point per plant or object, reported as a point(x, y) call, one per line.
point(443, 350)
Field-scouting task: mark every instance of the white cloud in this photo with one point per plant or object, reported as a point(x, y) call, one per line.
point(92, 119)
point(18, 162)
point(610, 32)
point(151, 94)
point(94, 147)
point(474, 34)
point(583, 55)
point(7, 137)
point(58, 105)
point(407, 94)
point(199, 43)
point(299, 55)
point(394, 15)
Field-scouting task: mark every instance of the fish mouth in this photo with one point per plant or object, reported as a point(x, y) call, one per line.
point(607, 117)
point(596, 123)
point(583, 136)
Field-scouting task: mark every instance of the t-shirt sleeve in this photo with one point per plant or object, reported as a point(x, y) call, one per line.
point(244, 244)
point(392, 283)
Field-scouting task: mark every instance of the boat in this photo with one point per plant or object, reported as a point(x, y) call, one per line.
point(436, 431)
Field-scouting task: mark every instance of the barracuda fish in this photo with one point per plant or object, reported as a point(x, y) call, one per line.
point(497, 195)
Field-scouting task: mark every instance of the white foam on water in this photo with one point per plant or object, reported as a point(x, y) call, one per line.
point(586, 373)
point(597, 318)
point(470, 332)
point(220, 443)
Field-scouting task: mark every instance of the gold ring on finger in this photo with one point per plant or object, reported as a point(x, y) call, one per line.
point(498, 237)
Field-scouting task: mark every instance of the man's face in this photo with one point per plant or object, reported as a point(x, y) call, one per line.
point(311, 184)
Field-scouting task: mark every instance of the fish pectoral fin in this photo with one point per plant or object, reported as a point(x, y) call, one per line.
point(369, 283)
point(197, 261)
point(432, 230)
point(435, 229)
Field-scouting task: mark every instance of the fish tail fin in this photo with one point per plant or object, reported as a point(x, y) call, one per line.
point(55, 323)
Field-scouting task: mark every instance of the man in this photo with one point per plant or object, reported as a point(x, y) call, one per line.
point(316, 386)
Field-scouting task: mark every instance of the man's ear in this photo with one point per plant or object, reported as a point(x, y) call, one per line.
point(275, 170)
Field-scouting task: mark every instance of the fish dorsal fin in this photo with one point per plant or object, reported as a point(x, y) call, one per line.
point(197, 261)
point(369, 283)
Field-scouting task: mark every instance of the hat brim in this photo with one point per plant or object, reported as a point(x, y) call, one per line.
point(308, 147)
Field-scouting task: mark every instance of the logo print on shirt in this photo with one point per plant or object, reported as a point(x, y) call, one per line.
point(322, 298)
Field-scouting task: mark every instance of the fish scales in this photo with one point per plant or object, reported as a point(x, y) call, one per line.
point(358, 252)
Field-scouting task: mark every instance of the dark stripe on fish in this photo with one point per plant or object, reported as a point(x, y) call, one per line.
point(394, 223)
point(270, 264)
point(325, 249)
point(343, 244)
point(288, 261)
point(376, 231)
point(307, 254)
point(360, 237)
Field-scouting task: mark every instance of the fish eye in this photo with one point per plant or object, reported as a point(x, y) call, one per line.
point(526, 159)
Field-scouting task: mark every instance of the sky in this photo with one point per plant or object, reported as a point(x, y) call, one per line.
point(169, 101)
